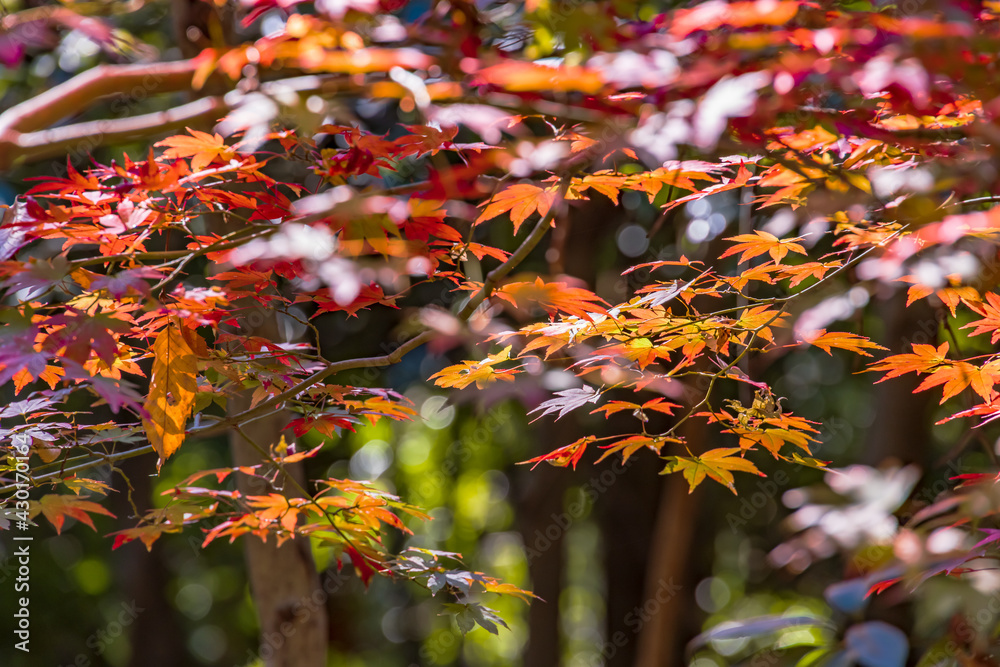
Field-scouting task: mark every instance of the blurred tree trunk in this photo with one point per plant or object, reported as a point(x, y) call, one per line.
point(294, 631)
point(627, 508)
point(542, 500)
point(155, 634)
point(901, 429)
point(627, 514)
point(671, 614)
point(282, 580)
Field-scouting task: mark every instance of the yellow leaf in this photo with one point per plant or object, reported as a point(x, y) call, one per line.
point(171, 392)
point(717, 464)
point(482, 372)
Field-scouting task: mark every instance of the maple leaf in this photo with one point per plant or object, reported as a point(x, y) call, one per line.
point(660, 294)
point(956, 376)
point(553, 297)
point(607, 183)
point(525, 76)
point(841, 340)
point(377, 407)
point(480, 251)
point(277, 507)
point(656, 405)
point(56, 508)
point(990, 410)
point(800, 272)
point(810, 462)
point(760, 242)
point(491, 585)
point(924, 358)
point(242, 278)
point(717, 464)
point(567, 455)
point(147, 534)
point(172, 391)
point(520, 200)
point(36, 276)
point(675, 174)
point(18, 355)
point(991, 318)
point(951, 295)
point(630, 445)
point(201, 147)
point(77, 484)
point(640, 350)
point(482, 372)
point(80, 335)
point(742, 179)
point(327, 424)
point(569, 400)
point(959, 375)
point(760, 319)
point(772, 439)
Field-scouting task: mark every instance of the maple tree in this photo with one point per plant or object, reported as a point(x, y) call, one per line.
point(859, 144)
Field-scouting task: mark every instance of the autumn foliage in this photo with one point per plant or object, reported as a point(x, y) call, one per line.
point(860, 145)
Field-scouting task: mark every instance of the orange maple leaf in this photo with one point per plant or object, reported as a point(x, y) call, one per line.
point(656, 405)
point(991, 318)
point(553, 297)
point(764, 242)
point(203, 148)
point(171, 391)
point(956, 376)
point(482, 372)
point(564, 456)
point(520, 200)
point(842, 340)
point(961, 374)
point(923, 359)
point(56, 508)
point(630, 445)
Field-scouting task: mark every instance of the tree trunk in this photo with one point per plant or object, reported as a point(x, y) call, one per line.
point(901, 431)
point(543, 540)
point(155, 631)
point(669, 609)
point(627, 511)
point(283, 581)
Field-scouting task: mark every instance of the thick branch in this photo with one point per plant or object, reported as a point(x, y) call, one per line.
point(19, 126)
point(72, 138)
point(80, 92)
point(24, 132)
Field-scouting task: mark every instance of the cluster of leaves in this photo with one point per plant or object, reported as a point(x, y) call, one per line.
point(109, 273)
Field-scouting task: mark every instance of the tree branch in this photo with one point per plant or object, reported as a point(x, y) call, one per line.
point(24, 133)
point(39, 145)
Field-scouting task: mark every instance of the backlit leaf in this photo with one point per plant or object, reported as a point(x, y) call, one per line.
point(171, 392)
